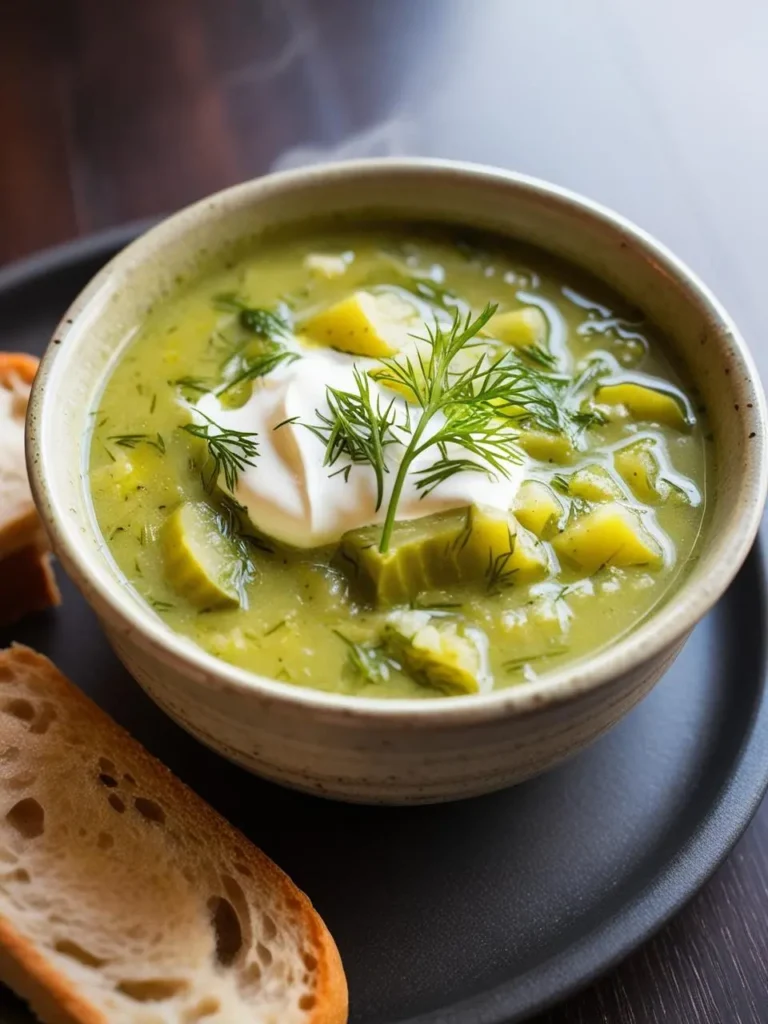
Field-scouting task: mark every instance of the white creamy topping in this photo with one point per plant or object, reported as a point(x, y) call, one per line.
point(292, 496)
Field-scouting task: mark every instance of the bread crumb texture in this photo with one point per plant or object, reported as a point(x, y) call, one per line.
point(126, 899)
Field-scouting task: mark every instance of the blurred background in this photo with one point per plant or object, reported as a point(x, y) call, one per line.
point(116, 111)
point(113, 111)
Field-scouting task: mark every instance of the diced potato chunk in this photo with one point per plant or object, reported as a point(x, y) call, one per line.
point(362, 324)
point(520, 328)
point(638, 464)
point(439, 652)
point(647, 403)
point(538, 508)
point(421, 557)
point(546, 446)
point(610, 534)
point(497, 548)
point(594, 483)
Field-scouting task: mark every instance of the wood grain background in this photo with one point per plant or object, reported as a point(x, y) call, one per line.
point(112, 111)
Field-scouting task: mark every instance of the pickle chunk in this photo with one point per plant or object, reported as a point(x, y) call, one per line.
point(654, 405)
point(421, 556)
point(441, 653)
point(201, 563)
point(610, 534)
point(638, 464)
point(362, 324)
point(469, 545)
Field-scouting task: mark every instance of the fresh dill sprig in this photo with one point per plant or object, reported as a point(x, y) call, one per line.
point(229, 451)
point(133, 440)
point(478, 409)
point(259, 365)
point(515, 664)
point(498, 575)
point(469, 401)
point(358, 429)
point(199, 384)
point(366, 660)
point(560, 483)
point(229, 525)
point(264, 323)
point(233, 515)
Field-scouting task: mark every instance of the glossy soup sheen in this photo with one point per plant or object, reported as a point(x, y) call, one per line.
point(304, 622)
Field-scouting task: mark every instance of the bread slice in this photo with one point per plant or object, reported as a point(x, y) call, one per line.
point(27, 583)
point(19, 525)
point(124, 898)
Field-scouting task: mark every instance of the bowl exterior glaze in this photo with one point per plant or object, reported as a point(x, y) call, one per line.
point(382, 761)
point(363, 749)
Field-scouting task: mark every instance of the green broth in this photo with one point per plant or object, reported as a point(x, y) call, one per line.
point(300, 608)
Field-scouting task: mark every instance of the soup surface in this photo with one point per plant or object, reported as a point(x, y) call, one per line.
point(393, 462)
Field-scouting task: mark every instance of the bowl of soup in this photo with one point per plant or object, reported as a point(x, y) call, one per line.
point(398, 481)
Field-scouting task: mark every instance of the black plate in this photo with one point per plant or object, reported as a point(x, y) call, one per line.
point(485, 911)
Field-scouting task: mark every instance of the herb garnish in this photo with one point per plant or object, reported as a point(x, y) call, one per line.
point(517, 663)
point(270, 327)
point(229, 451)
point(132, 440)
point(259, 365)
point(193, 384)
point(366, 660)
point(463, 406)
point(357, 429)
point(264, 323)
point(498, 575)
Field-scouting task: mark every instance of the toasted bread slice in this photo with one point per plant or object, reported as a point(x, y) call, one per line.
point(124, 898)
point(26, 578)
point(19, 526)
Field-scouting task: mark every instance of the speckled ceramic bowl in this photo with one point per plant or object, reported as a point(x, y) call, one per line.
point(395, 751)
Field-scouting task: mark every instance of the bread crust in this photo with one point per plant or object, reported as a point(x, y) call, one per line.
point(26, 968)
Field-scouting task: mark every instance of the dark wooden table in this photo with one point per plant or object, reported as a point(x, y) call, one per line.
point(111, 111)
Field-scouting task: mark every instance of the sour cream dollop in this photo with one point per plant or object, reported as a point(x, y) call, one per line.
point(288, 492)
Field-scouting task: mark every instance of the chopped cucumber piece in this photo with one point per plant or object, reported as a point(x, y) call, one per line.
point(439, 652)
point(654, 405)
point(638, 465)
point(201, 563)
point(610, 534)
point(538, 509)
point(362, 324)
point(520, 328)
point(468, 545)
point(421, 557)
point(546, 446)
point(594, 483)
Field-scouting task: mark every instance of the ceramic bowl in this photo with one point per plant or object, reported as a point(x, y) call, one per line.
point(395, 751)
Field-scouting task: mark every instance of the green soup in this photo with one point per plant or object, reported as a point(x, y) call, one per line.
point(389, 462)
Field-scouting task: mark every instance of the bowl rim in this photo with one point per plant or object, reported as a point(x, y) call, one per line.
point(661, 631)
